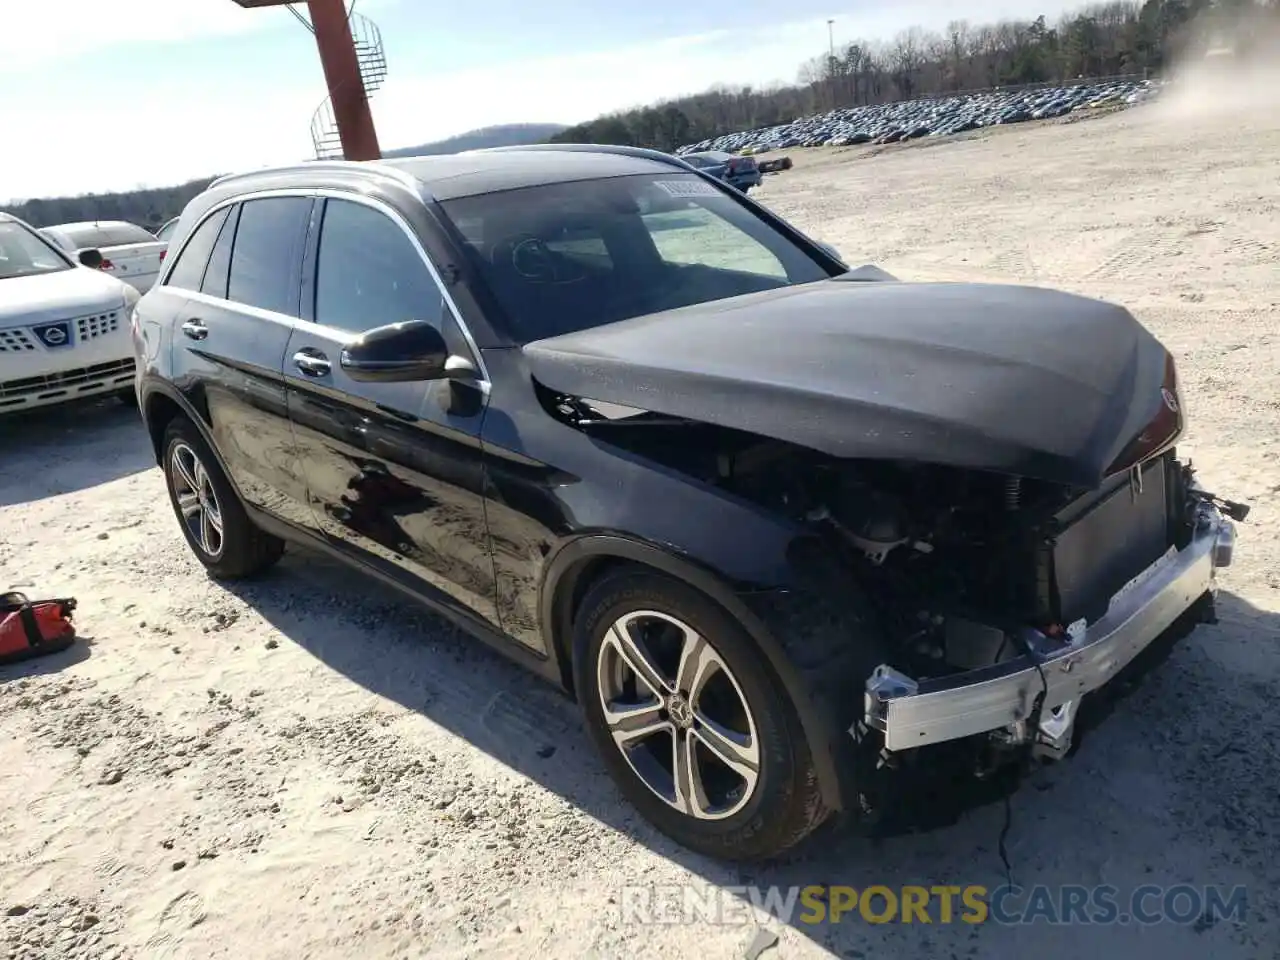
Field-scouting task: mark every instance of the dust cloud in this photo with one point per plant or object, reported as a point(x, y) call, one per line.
point(1230, 69)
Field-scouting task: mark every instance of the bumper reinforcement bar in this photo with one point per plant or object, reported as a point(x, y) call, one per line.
point(914, 713)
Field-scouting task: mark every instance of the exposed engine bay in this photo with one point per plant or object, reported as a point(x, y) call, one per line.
point(954, 562)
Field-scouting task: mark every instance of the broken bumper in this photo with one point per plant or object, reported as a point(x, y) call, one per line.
point(1000, 697)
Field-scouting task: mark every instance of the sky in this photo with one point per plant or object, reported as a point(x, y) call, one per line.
point(98, 95)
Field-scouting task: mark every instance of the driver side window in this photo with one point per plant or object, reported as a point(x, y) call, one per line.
point(369, 273)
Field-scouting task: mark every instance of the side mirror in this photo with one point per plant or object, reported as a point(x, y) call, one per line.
point(91, 258)
point(397, 353)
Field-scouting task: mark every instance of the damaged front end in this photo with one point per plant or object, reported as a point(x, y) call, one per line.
point(1000, 603)
point(1028, 694)
point(1024, 598)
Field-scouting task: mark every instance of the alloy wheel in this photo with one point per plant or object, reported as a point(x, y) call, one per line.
point(678, 715)
point(197, 501)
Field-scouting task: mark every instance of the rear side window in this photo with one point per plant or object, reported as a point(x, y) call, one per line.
point(265, 259)
point(189, 269)
point(369, 273)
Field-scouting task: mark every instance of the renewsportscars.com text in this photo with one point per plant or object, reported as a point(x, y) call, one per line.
point(1066, 904)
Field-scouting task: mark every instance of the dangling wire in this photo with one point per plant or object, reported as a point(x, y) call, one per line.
point(1033, 726)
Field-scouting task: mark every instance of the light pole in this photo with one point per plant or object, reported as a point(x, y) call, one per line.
point(831, 59)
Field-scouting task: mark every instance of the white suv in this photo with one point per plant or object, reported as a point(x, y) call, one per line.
point(64, 327)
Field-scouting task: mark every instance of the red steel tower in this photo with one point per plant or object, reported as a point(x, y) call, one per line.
point(352, 69)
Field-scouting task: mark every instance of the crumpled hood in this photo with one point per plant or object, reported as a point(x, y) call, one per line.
point(1012, 379)
point(57, 296)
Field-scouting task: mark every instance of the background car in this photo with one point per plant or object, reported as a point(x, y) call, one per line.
point(64, 326)
point(741, 172)
point(129, 252)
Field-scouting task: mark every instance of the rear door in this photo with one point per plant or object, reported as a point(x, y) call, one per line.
point(229, 342)
point(394, 470)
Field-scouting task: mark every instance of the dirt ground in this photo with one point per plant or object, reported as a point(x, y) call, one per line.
point(294, 768)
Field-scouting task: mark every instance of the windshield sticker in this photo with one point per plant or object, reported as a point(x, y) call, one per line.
point(687, 188)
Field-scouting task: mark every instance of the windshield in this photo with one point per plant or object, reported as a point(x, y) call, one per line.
point(24, 254)
point(570, 256)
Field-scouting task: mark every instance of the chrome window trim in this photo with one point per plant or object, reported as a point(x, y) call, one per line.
point(327, 193)
point(259, 312)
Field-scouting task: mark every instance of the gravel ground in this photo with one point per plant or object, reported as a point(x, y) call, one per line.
point(296, 768)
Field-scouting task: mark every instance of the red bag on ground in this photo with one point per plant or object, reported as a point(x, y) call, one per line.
point(34, 628)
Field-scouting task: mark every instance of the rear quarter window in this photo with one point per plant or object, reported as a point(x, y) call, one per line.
point(188, 270)
point(216, 274)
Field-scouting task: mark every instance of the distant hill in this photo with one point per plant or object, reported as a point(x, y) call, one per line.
point(153, 206)
point(502, 135)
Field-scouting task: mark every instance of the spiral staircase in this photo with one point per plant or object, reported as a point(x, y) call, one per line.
point(373, 71)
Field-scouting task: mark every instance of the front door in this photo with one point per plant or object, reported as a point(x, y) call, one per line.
point(394, 470)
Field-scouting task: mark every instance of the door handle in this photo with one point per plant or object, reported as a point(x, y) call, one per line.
point(195, 329)
point(312, 364)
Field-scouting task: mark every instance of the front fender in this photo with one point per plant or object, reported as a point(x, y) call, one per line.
point(763, 614)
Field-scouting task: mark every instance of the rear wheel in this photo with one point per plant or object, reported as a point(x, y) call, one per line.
point(212, 518)
point(694, 728)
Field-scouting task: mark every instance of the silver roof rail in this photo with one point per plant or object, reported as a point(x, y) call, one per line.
point(323, 166)
point(643, 153)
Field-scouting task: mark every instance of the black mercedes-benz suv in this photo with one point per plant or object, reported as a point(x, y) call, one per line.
point(783, 528)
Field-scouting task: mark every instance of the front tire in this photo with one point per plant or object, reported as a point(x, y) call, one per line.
point(211, 516)
point(693, 726)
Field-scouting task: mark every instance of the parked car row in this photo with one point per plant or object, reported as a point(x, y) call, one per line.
point(933, 117)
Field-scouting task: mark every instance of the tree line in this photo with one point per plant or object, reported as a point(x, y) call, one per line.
point(1104, 39)
point(148, 208)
